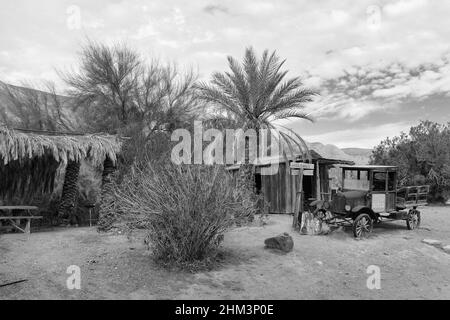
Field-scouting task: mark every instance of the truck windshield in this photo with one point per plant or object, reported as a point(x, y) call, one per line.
point(356, 180)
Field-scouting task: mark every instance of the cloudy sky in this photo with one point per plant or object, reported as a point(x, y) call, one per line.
point(380, 66)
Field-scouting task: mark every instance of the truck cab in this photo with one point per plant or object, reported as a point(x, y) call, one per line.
point(370, 188)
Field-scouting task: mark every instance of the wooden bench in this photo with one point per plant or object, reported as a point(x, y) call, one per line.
point(15, 220)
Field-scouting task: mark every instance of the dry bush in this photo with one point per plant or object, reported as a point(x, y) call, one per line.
point(115, 88)
point(186, 209)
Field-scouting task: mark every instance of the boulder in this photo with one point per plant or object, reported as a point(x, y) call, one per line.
point(283, 242)
point(432, 242)
point(446, 249)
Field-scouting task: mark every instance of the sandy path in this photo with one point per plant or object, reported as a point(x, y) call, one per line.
point(319, 267)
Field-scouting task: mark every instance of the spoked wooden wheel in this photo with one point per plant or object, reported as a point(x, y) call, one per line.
point(413, 219)
point(362, 226)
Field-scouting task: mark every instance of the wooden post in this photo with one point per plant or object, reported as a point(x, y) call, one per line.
point(298, 202)
point(318, 184)
point(27, 227)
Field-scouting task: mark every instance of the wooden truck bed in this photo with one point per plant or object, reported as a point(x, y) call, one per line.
point(413, 196)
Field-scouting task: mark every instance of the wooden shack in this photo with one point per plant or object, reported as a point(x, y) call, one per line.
point(280, 189)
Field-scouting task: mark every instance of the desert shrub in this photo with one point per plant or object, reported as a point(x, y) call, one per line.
point(423, 157)
point(186, 209)
point(140, 151)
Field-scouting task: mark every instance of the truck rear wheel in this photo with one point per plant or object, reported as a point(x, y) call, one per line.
point(413, 219)
point(362, 226)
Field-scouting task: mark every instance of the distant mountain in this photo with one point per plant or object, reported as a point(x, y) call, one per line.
point(358, 151)
point(31, 97)
point(357, 155)
point(361, 155)
point(5, 104)
point(3, 97)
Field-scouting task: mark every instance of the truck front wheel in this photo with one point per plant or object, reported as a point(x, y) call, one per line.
point(362, 226)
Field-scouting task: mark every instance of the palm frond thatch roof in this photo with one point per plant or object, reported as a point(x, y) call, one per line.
point(16, 145)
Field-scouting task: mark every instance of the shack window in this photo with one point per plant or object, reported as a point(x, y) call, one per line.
point(379, 181)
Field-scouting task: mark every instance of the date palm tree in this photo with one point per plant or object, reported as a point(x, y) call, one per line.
point(255, 94)
point(70, 189)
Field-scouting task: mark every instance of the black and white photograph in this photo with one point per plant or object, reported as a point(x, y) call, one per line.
point(224, 156)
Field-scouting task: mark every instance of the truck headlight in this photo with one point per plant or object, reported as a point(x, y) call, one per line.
point(348, 208)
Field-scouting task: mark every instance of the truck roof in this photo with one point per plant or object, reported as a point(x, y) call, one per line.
point(371, 167)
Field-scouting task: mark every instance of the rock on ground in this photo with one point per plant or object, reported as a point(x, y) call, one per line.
point(283, 242)
point(432, 242)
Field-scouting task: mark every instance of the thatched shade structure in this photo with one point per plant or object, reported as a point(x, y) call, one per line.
point(30, 160)
point(17, 145)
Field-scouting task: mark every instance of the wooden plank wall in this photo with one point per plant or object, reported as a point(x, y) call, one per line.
point(280, 190)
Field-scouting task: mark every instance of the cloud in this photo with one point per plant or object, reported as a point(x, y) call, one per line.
point(363, 90)
point(145, 31)
point(394, 92)
point(404, 6)
point(258, 8)
point(178, 17)
point(213, 9)
point(203, 37)
point(340, 16)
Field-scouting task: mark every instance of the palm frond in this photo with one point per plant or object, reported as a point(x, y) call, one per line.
point(256, 93)
point(291, 114)
point(16, 145)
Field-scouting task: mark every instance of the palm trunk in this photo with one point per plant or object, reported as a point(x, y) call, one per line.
point(70, 189)
point(107, 214)
point(246, 179)
point(247, 170)
point(108, 169)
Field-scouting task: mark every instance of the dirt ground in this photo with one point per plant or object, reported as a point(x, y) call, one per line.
point(319, 267)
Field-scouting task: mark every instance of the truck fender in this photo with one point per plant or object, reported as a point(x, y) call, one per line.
point(364, 209)
point(359, 208)
point(317, 203)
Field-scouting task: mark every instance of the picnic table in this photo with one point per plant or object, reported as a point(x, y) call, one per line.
point(15, 221)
